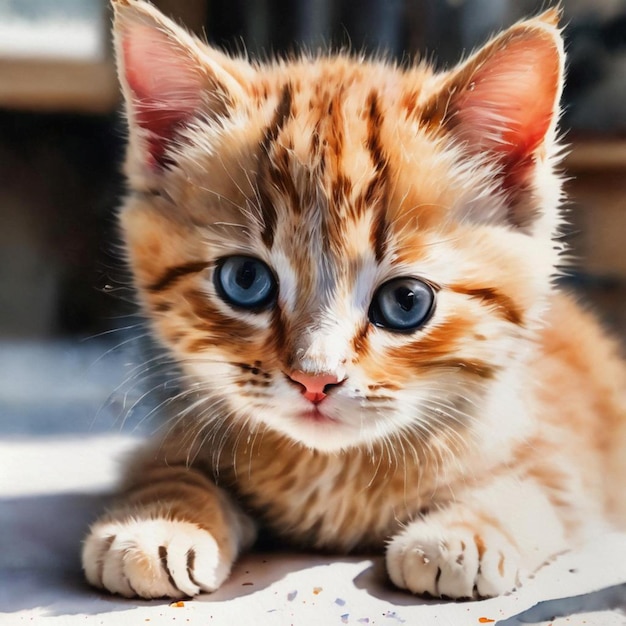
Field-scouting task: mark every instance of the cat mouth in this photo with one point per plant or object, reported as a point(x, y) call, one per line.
point(314, 414)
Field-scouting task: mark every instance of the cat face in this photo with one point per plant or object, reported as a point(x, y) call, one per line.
point(338, 250)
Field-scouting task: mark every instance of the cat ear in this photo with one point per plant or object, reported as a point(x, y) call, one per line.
point(504, 100)
point(168, 78)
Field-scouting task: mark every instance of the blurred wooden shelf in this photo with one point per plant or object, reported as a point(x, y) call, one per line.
point(58, 85)
point(597, 205)
point(596, 154)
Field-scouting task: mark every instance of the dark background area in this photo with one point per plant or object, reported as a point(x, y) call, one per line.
point(61, 269)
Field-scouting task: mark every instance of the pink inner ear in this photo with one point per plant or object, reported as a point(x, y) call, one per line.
point(165, 84)
point(510, 102)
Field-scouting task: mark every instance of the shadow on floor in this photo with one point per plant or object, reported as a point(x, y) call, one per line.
point(609, 599)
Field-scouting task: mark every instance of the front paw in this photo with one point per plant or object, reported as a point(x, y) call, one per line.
point(458, 561)
point(153, 558)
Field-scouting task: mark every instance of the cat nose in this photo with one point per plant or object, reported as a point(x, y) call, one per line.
point(315, 386)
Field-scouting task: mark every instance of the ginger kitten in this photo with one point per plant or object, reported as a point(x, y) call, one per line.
point(352, 263)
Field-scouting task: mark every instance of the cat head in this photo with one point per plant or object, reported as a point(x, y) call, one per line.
point(337, 249)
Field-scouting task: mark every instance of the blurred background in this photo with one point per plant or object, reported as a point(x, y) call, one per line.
point(68, 334)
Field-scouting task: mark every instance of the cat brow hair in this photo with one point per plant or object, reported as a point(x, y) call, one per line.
point(172, 274)
point(502, 303)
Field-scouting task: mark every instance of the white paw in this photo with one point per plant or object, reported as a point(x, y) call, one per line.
point(454, 561)
point(153, 558)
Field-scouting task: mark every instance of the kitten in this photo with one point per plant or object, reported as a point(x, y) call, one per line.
point(352, 263)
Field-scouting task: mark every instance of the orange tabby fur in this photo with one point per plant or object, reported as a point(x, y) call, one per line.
point(476, 447)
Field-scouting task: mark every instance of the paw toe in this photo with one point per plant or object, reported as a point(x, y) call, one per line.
point(153, 558)
point(456, 563)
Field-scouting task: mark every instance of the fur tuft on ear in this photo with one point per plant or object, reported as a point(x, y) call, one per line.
point(504, 100)
point(168, 78)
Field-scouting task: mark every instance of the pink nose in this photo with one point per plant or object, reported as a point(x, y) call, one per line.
point(314, 384)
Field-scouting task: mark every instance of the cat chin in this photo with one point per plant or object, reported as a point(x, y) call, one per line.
point(319, 433)
point(323, 434)
point(323, 437)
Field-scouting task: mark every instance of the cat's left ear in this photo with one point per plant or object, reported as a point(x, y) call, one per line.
point(503, 101)
point(168, 78)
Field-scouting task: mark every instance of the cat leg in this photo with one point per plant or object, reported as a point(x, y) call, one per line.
point(481, 545)
point(176, 534)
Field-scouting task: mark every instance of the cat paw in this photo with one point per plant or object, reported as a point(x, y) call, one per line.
point(153, 558)
point(456, 561)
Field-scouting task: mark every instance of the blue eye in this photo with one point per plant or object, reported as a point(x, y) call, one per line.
point(402, 305)
point(245, 282)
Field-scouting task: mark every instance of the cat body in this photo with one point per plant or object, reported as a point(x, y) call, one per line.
point(352, 264)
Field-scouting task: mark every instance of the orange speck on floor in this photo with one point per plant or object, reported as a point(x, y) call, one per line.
point(486, 620)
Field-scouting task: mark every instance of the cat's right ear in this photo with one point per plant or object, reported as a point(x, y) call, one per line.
point(168, 78)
